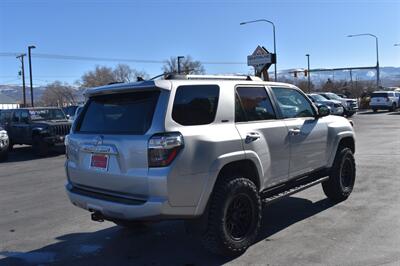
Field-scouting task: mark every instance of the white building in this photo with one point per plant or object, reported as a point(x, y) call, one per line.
point(7, 102)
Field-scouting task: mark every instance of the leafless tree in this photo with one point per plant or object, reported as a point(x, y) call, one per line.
point(124, 73)
point(59, 94)
point(102, 75)
point(188, 66)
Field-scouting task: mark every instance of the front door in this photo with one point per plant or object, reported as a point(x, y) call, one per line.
point(307, 134)
point(264, 136)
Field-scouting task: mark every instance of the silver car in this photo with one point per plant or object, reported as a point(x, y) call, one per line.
point(205, 149)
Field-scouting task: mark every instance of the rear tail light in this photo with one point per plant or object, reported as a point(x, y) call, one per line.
point(163, 148)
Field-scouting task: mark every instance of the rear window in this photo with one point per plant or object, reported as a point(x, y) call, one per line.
point(195, 104)
point(379, 94)
point(125, 113)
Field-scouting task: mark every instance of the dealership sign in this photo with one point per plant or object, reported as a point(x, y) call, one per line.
point(260, 59)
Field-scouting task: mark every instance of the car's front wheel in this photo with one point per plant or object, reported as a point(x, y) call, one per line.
point(234, 217)
point(342, 176)
point(40, 147)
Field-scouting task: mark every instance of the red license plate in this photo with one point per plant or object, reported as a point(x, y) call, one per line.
point(99, 161)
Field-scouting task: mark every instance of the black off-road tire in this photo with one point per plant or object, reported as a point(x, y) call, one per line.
point(375, 110)
point(40, 148)
point(393, 108)
point(234, 205)
point(3, 155)
point(342, 176)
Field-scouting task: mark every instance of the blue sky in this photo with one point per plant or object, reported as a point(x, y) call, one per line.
point(207, 30)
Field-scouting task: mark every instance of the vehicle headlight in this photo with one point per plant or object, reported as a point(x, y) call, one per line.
point(3, 135)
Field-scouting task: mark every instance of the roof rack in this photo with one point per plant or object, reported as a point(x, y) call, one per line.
point(213, 77)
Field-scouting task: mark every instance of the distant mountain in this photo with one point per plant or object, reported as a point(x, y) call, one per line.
point(389, 76)
point(15, 92)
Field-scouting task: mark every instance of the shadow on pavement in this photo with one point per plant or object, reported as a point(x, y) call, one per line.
point(372, 112)
point(159, 244)
point(25, 153)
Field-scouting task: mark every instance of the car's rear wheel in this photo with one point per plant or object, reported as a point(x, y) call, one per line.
point(393, 108)
point(234, 217)
point(342, 176)
point(3, 155)
point(375, 110)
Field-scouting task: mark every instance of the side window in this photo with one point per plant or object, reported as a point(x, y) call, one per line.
point(253, 104)
point(293, 103)
point(15, 117)
point(24, 117)
point(195, 104)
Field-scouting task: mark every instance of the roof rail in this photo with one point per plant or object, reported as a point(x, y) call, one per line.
point(214, 77)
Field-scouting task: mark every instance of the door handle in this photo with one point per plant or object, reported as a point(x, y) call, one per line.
point(252, 136)
point(294, 131)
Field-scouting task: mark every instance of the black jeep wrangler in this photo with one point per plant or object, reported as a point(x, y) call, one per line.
point(42, 128)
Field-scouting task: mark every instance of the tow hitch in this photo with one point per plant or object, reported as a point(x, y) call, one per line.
point(97, 216)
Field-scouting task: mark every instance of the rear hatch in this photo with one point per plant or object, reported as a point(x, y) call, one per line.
point(379, 98)
point(108, 149)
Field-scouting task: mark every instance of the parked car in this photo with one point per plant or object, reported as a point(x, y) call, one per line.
point(334, 106)
point(386, 100)
point(205, 149)
point(42, 128)
point(350, 105)
point(3, 144)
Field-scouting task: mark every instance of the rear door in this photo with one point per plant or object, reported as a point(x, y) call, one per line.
point(108, 147)
point(307, 135)
point(262, 133)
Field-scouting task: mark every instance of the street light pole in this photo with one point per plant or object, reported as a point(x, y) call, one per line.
point(377, 53)
point(30, 70)
point(21, 57)
point(308, 72)
point(273, 31)
point(179, 63)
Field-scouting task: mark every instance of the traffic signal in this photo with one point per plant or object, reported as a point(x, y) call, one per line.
point(295, 74)
point(305, 73)
point(20, 73)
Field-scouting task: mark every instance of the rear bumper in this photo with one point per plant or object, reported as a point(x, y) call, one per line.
point(151, 209)
point(381, 106)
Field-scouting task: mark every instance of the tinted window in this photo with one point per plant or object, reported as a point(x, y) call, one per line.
point(253, 104)
point(16, 115)
point(195, 105)
point(46, 114)
point(379, 94)
point(293, 103)
point(125, 113)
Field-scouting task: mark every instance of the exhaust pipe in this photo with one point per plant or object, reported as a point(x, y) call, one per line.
point(97, 216)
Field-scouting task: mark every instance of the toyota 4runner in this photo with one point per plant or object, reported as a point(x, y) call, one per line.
point(206, 149)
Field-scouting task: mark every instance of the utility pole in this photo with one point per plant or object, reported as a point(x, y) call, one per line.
point(308, 72)
point(30, 70)
point(351, 80)
point(21, 58)
point(179, 63)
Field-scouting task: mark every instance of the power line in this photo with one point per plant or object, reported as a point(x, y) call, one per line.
point(107, 59)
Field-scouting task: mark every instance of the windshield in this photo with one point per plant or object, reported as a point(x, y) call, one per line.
point(318, 98)
point(333, 96)
point(46, 114)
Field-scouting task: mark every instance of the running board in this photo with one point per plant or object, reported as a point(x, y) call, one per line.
point(293, 190)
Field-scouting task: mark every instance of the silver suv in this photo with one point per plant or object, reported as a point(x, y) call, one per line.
point(206, 149)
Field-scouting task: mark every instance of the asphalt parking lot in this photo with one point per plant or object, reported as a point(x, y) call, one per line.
point(38, 225)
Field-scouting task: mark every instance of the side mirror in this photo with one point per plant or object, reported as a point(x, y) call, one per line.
point(323, 110)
